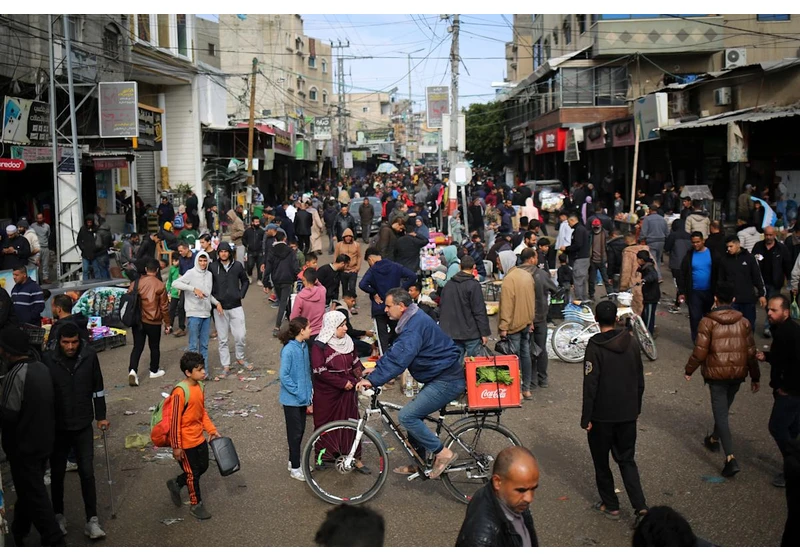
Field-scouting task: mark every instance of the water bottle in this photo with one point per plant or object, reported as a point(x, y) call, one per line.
point(409, 387)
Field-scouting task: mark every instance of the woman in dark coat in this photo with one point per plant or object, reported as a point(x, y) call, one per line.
point(336, 369)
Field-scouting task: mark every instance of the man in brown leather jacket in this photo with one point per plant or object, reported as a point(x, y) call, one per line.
point(727, 353)
point(154, 310)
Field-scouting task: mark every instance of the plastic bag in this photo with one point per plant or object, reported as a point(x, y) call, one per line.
point(505, 347)
point(795, 310)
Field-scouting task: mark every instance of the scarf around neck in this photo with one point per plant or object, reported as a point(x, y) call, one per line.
point(410, 312)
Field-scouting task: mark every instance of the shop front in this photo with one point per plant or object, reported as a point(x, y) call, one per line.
point(548, 148)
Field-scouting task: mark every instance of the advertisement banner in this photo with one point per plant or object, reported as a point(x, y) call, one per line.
point(322, 128)
point(571, 151)
point(150, 130)
point(594, 137)
point(25, 121)
point(437, 104)
point(650, 114)
point(622, 134)
point(283, 142)
point(348, 160)
point(553, 140)
point(118, 104)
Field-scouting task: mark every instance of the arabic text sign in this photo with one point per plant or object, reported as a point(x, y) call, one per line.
point(119, 111)
point(437, 103)
point(25, 121)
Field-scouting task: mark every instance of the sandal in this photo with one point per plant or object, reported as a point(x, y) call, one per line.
point(245, 364)
point(637, 518)
point(439, 466)
point(275, 332)
point(405, 470)
point(224, 375)
point(363, 469)
point(600, 507)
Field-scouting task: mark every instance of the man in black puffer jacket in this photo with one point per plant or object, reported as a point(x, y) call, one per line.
point(79, 399)
point(462, 314)
point(499, 514)
point(230, 287)
point(280, 271)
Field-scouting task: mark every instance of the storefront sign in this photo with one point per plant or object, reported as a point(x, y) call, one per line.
point(32, 154)
point(118, 107)
point(348, 160)
point(359, 155)
point(622, 134)
point(322, 128)
point(25, 121)
point(594, 137)
point(105, 164)
point(437, 103)
point(283, 142)
point(8, 164)
point(650, 114)
point(553, 140)
point(150, 130)
point(571, 152)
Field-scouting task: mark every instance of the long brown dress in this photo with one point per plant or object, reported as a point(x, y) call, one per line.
point(330, 373)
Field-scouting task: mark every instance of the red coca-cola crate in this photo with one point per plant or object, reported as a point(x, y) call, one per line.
point(493, 394)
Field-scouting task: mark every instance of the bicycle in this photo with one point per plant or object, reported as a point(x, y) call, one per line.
point(571, 337)
point(329, 458)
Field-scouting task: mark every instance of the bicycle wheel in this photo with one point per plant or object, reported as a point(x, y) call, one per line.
point(324, 463)
point(644, 338)
point(570, 339)
point(477, 443)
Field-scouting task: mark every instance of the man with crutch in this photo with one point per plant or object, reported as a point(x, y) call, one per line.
point(79, 399)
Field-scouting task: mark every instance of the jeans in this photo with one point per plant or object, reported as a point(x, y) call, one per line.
point(83, 442)
point(282, 292)
point(657, 249)
point(469, 348)
point(199, 329)
point(348, 281)
point(233, 318)
point(433, 396)
point(44, 266)
point(153, 335)
point(594, 269)
point(539, 365)
point(103, 265)
point(253, 260)
point(522, 343)
point(194, 464)
point(295, 427)
point(699, 302)
point(722, 395)
point(332, 244)
point(87, 264)
point(749, 312)
point(365, 231)
point(649, 316)
point(784, 422)
point(580, 274)
point(620, 439)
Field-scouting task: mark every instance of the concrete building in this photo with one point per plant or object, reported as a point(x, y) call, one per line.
point(295, 71)
point(369, 113)
point(208, 42)
point(519, 51)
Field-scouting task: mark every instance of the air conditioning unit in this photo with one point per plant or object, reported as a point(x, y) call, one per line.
point(722, 96)
point(735, 58)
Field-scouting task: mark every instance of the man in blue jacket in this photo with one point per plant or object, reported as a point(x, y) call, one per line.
point(432, 358)
point(382, 276)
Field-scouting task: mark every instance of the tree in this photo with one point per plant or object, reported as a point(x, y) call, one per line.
point(484, 134)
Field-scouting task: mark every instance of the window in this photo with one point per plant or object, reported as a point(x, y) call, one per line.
point(537, 54)
point(581, 18)
point(75, 28)
point(773, 17)
point(567, 27)
point(546, 50)
point(312, 61)
point(312, 94)
point(324, 96)
point(212, 49)
point(555, 36)
point(163, 30)
point(365, 109)
point(576, 86)
point(183, 36)
point(324, 66)
point(143, 28)
point(288, 41)
point(111, 41)
point(300, 83)
point(610, 86)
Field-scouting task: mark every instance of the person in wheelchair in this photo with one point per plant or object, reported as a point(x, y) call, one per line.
point(432, 358)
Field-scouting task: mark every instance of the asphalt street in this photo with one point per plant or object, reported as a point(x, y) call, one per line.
point(262, 506)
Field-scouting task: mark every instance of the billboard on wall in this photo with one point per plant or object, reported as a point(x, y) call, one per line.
point(437, 104)
point(119, 109)
point(322, 128)
point(25, 121)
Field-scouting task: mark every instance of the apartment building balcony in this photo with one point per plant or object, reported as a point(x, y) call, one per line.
point(695, 34)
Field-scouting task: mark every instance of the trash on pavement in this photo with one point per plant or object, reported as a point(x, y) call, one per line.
point(251, 389)
point(712, 479)
point(171, 521)
point(136, 441)
point(271, 372)
point(130, 412)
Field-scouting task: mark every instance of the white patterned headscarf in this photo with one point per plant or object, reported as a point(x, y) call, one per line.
point(327, 335)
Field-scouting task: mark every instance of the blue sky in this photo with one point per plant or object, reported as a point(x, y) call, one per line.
point(387, 37)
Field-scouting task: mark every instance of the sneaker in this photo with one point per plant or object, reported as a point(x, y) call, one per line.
point(199, 511)
point(93, 530)
point(179, 333)
point(779, 481)
point(62, 523)
point(674, 309)
point(133, 379)
point(174, 491)
point(730, 469)
point(710, 444)
point(157, 374)
point(543, 384)
point(297, 474)
point(72, 467)
point(274, 305)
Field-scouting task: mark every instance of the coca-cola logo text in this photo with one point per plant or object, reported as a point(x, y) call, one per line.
point(489, 394)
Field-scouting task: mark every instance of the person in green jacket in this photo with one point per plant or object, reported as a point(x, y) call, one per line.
point(173, 294)
point(189, 234)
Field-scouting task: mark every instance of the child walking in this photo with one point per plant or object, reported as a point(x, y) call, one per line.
point(295, 395)
point(173, 294)
point(189, 447)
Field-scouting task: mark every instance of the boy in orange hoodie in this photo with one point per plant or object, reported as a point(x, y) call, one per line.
point(189, 447)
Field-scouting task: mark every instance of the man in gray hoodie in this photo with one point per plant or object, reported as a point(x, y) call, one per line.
point(198, 283)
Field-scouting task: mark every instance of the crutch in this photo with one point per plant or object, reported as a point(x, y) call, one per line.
point(108, 470)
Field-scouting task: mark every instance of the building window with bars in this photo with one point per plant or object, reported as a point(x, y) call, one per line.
point(567, 27)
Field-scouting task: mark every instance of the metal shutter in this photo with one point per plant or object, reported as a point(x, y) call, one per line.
point(146, 177)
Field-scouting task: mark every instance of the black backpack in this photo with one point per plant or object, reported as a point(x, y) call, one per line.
point(129, 306)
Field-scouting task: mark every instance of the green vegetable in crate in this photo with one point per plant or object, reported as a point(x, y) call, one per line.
point(493, 374)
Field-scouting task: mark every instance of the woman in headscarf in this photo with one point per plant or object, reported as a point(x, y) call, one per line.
point(585, 208)
point(336, 369)
point(317, 229)
point(455, 227)
point(421, 229)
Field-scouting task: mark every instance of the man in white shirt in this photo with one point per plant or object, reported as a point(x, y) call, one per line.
point(564, 238)
point(528, 242)
point(42, 231)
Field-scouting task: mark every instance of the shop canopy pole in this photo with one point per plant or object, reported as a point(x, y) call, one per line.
point(54, 139)
point(635, 169)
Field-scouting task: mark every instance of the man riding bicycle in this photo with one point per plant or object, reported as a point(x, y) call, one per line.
point(432, 358)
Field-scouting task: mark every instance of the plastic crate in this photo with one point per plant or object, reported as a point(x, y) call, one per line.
point(98, 345)
point(493, 395)
point(116, 341)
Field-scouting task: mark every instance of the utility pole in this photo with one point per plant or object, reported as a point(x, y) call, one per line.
point(453, 154)
point(410, 120)
point(342, 106)
point(250, 132)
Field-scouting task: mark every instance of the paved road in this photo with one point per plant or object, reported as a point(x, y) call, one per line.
point(262, 506)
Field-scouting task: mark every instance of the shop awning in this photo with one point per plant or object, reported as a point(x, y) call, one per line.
point(547, 67)
point(743, 115)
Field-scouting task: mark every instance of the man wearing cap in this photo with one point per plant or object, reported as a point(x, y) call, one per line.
point(654, 233)
point(16, 249)
point(27, 423)
point(23, 228)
